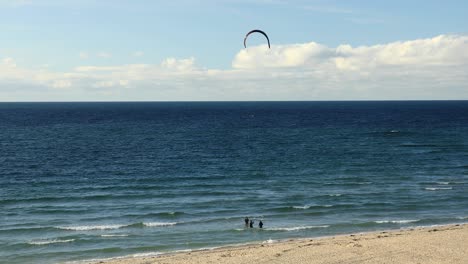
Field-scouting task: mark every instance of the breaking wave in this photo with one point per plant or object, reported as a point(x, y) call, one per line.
point(48, 242)
point(396, 221)
point(295, 228)
point(89, 228)
point(437, 188)
point(113, 227)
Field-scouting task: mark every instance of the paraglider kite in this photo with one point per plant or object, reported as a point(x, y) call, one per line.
point(256, 31)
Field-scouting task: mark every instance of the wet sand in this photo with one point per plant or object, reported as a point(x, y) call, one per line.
point(437, 244)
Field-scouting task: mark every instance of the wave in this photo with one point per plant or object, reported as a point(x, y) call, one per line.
point(301, 207)
point(89, 228)
point(116, 235)
point(369, 225)
point(396, 221)
point(451, 183)
point(165, 215)
point(435, 183)
point(295, 228)
point(153, 224)
point(25, 228)
point(392, 133)
point(437, 188)
point(145, 255)
point(385, 132)
point(149, 254)
point(112, 227)
point(287, 209)
point(304, 207)
point(47, 242)
point(173, 213)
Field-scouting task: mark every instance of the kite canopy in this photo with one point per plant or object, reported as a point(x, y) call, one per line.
point(256, 31)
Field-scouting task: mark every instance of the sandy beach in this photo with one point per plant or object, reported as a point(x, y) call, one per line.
point(436, 244)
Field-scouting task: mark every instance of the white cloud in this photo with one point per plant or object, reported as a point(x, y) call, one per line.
point(440, 50)
point(296, 55)
point(179, 64)
point(60, 84)
point(433, 68)
point(96, 68)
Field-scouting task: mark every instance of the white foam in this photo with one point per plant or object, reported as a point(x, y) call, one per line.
point(47, 242)
point(155, 224)
point(269, 241)
point(302, 207)
point(101, 260)
point(88, 228)
point(443, 183)
point(114, 235)
point(206, 248)
point(336, 195)
point(436, 189)
point(395, 221)
point(296, 228)
point(147, 254)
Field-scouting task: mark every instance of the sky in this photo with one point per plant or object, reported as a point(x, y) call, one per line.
point(187, 50)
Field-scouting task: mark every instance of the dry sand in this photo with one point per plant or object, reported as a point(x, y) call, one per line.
point(441, 244)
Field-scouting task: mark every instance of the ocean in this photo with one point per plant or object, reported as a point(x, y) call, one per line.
point(92, 181)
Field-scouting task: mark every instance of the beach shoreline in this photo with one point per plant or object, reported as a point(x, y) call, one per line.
point(429, 244)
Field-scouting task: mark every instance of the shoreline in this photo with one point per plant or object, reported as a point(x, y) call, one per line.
point(426, 244)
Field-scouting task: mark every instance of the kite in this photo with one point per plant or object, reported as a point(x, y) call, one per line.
point(256, 31)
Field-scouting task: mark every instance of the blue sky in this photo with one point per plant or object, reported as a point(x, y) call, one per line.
point(50, 41)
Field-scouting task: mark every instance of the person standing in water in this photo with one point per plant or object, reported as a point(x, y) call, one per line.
point(260, 224)
point(246, 220)
point(251, 223)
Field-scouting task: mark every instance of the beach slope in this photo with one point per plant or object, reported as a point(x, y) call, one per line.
point(439, 244)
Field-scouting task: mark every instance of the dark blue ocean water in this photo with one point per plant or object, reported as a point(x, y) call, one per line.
point(82, 181)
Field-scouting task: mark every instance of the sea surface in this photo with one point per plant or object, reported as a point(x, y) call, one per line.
point(91, 181)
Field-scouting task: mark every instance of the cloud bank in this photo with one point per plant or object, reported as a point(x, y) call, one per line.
point(433, 68)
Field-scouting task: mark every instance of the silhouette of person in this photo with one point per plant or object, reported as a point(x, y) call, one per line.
point(251, 223)
point(246, 220)
point(260, 224)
